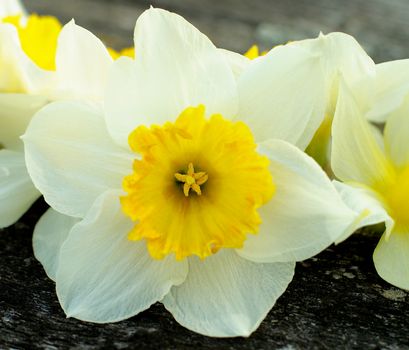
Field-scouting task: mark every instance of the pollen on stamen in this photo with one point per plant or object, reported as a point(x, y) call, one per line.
point(192, 180)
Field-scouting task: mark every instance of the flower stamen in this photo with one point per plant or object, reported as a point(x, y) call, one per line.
point(192, 180)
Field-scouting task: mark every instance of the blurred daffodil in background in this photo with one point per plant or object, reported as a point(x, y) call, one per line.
point(187, 186)
point(18, 76)
point(41, 61)
point(375, 175)
point(38, 37)
point(254, 52)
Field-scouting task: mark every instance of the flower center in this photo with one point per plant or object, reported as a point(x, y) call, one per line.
point(192, 180)
point(395, 195)
point(196, 185)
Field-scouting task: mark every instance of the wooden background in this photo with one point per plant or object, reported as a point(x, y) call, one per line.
point(381, 26)
point(336, 299)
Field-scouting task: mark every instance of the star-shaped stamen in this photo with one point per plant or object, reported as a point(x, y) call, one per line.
point(192, 180)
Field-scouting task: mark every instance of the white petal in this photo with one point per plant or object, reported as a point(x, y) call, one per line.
point(361, 199)
point(341, 52)
point(392, 86)
point(305, 215)
point(226, 296)
point(391, 258)
point(17, 192)
point(71, 157)
point(82, 64)
point(237, 62)
point(50, 233)
point(356, 155)
point(19, 72)
point(11, 7)
point(11, 59)
point(176, 67)
point(104, 277)
point(282, 95)
point(342, 55)
point(16, 113)
point(396, 135)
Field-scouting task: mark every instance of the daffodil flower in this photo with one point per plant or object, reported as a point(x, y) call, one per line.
point(39, 62)
point(20, 80)
point(180, 190)
point(375, 172)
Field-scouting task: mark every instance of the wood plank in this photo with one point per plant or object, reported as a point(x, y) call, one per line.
point(379, 25)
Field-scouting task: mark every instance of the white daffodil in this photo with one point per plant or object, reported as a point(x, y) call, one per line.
point(180, 190)
point(375, 172)
point(40, 62)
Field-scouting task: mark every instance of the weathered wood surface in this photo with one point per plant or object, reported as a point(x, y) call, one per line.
point(381, 26)
point(336, 299)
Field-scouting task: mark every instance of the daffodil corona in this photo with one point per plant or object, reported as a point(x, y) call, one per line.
point(203, 176)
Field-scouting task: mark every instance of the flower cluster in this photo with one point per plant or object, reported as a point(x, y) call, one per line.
point(195, 176)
